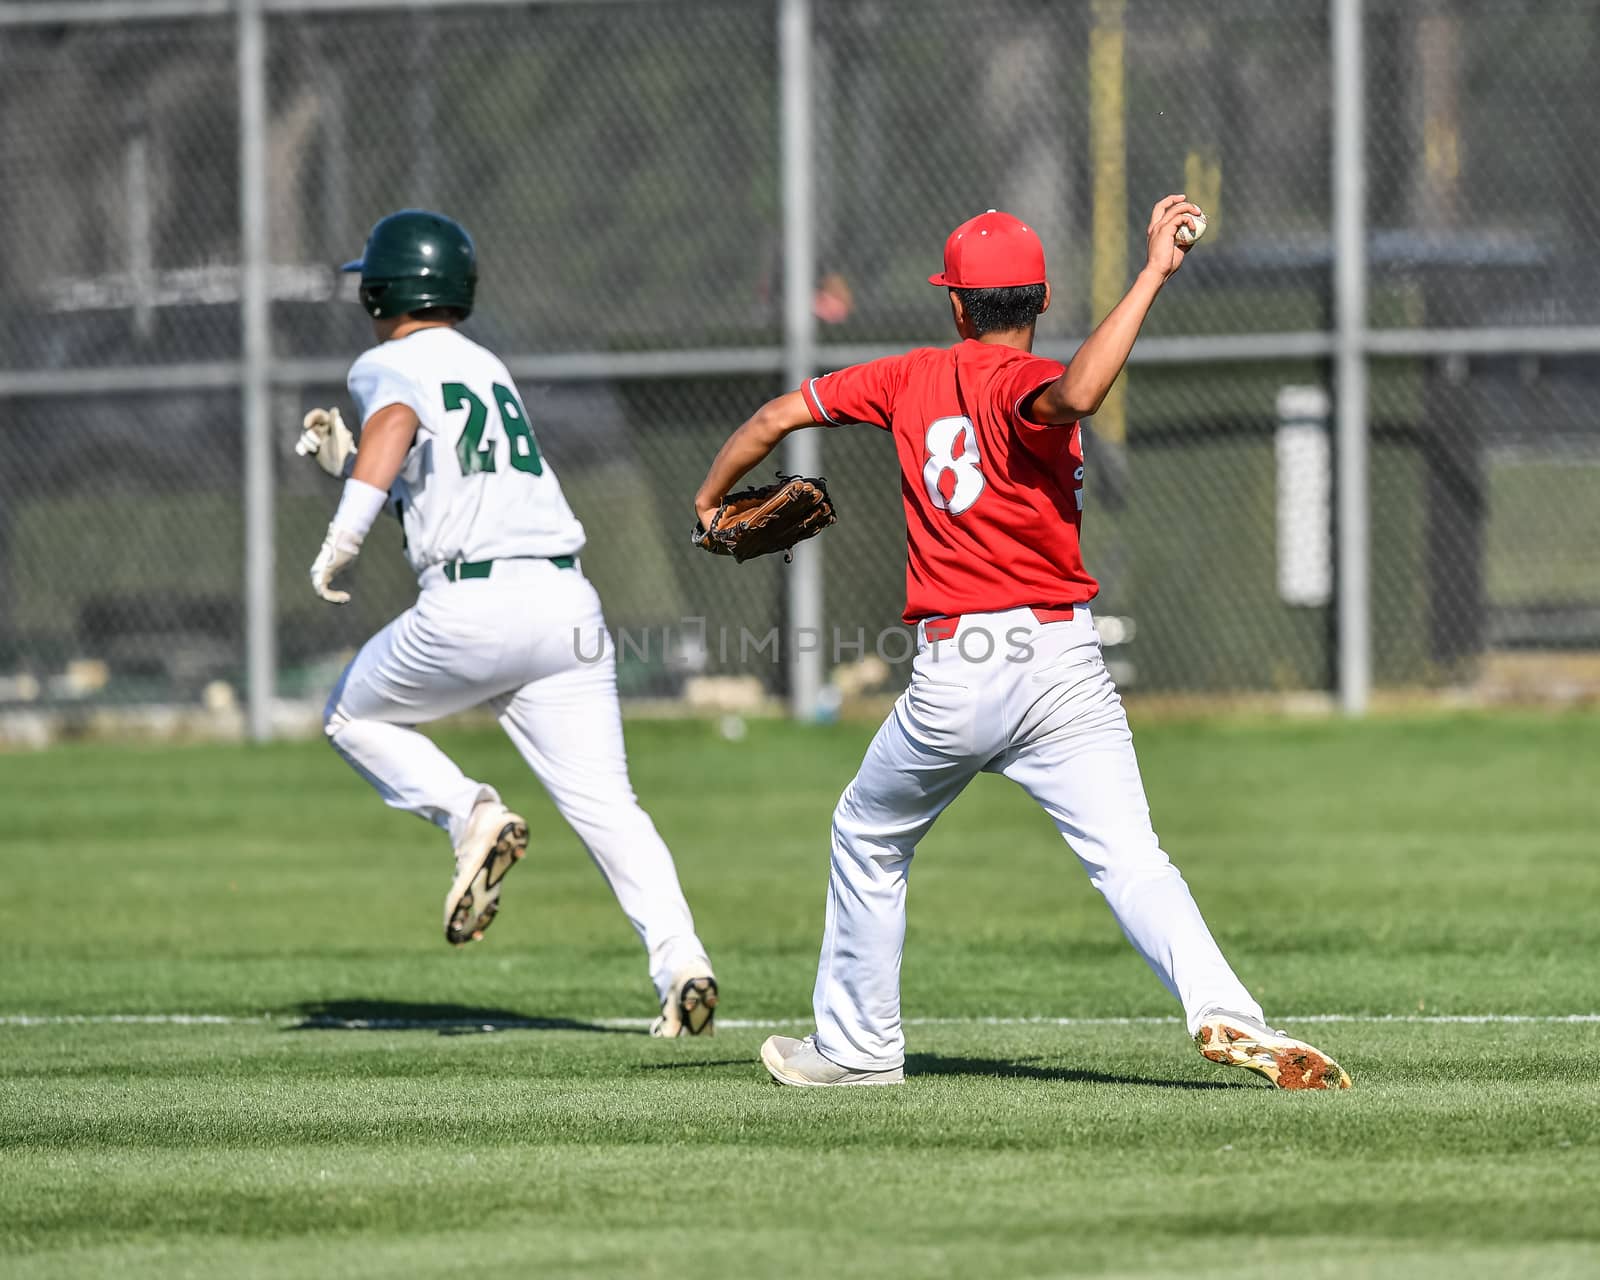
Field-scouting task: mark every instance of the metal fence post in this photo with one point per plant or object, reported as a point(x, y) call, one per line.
point(1108, 149)
point(1354, 599)
point(803, 449)
point(255, 324)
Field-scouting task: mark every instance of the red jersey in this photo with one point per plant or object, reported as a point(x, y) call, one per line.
point(993, 501)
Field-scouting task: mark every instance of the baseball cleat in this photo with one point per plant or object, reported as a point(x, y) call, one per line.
point(801, 1064)
point(1234, 1040)
point(690, 1006)
point(496, 838)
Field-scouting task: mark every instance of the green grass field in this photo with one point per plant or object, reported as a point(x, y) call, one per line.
point(1396, 873)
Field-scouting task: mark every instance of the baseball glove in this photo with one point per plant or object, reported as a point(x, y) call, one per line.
point(756, 522)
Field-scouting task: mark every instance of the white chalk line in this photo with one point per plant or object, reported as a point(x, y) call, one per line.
point(321, 1022)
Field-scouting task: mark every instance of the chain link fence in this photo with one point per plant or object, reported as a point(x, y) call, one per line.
point(620, 163)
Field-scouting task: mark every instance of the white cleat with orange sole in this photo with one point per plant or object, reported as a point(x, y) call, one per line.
point(1233, 1040)
point(495, 839)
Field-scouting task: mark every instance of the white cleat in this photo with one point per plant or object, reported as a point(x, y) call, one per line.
point(1233, 1040)
point(801, 1064)
point(690, 1006)
point(496, 838)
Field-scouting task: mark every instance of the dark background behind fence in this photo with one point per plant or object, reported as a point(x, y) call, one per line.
point(619, 166)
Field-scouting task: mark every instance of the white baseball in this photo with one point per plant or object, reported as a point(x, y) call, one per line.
point(1185, 235)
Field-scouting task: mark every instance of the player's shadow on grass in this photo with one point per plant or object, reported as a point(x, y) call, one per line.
point(446, 1019)
point(935, 1064)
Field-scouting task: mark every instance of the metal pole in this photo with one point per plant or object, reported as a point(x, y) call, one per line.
point(803, 449)
point(1108, 150)
point(141, 250)
point(49, 13)
point(1354, 601)
point(255, 322)
point(769, 361)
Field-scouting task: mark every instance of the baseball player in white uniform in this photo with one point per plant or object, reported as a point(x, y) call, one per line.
point(446, 441)
point(1008, 676)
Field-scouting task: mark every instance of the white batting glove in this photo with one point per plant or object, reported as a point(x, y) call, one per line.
point(339, 548)
point(324, 436)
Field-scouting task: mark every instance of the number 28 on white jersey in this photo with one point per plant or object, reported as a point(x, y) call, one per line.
point(475, 485)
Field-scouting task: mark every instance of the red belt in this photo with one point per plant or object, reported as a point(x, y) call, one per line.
point(936, 629)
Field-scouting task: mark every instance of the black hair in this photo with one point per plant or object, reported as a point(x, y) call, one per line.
point(1002, 310)
point(452, 315)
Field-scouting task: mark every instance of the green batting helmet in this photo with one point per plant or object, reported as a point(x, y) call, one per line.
point(413, 260)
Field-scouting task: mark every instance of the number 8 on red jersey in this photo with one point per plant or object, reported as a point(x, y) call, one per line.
point(954, 495)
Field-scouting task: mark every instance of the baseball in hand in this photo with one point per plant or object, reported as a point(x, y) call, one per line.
point(1186, 235)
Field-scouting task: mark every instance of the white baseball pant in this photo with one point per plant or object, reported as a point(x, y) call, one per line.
point(529, 640)
point(1033, 701)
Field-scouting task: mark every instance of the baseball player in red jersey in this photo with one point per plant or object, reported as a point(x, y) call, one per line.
point(1008, 676)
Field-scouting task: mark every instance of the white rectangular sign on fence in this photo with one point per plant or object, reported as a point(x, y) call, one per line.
point(1304, 493)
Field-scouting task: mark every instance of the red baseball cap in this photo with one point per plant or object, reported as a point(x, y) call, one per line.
point(992, 251)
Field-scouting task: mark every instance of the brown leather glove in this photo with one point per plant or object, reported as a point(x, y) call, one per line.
point(759, 521)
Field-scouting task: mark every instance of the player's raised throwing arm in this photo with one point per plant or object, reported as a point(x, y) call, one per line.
point(1078, 392)
point(757, 437)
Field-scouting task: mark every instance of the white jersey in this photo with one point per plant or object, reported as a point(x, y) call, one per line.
point(474, 486)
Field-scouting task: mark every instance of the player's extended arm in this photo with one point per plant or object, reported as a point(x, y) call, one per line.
point(748, 445)
point(385, 440)
point(1079, 391)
